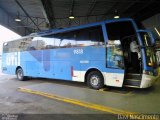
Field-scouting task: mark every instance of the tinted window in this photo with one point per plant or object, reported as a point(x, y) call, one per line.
point(119, 30)
point(68, 39)
point(45, 43)
point(12, 46)
point(33, 44)
point(57, 40)
point(25, 43)
point(17, 45)
point(146, 39)
point(90, 36)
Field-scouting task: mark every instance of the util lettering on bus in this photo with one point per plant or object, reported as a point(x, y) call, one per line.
point(13, 59)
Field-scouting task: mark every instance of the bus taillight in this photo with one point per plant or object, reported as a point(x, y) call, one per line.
point(72, 74)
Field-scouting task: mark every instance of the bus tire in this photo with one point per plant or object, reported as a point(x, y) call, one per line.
point(95, 80)
point(20, 74)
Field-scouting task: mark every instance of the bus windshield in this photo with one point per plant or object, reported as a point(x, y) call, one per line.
point(150, 53)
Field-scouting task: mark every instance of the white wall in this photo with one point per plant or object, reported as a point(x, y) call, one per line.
point(6, 35)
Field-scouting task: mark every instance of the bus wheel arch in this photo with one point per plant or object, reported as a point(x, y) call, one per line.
point(94, 79)
point(20, 74)
point(18, 67)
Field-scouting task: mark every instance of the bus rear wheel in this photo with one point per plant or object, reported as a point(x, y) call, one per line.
point(20, 74)
point(95, 80)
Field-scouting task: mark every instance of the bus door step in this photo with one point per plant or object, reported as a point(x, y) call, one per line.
point(132, 80)
point(133, 76)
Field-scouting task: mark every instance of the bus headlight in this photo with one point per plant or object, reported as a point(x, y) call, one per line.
point(150, 64)
point(148, 73)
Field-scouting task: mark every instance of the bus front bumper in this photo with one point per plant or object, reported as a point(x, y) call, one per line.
point(148, 80)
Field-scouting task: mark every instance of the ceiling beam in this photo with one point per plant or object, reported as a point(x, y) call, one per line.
point(8, 20)
point(44, 13)
point(91, 7)
point(47, 4)
point(124, 10)
point(149, 12)
point(110, 11)
point(71, 12)
point(140, 9)
point(72, 7)
point(26, 14)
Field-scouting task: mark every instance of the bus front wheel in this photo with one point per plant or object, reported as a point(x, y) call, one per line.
point(20, 74)
point(95, 80)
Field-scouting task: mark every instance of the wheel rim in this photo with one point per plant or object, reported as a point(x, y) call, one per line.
point(94, 80)
point(19, 74)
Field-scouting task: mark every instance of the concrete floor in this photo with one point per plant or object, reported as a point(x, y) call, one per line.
point(15, 102)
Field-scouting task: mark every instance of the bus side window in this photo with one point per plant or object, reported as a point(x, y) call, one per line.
point(33, 44)
point(82, 38)
point(41, 44)
point(96, 36)
point(46, 42)
point(16, 46)
point(92, 36)
point(68, 40)
point(6, 47)
point(25, 44)
point(57, 40)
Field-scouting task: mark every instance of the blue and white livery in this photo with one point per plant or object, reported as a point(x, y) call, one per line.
point(112, 53)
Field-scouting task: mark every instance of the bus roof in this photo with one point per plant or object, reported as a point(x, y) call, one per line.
point(53, 31)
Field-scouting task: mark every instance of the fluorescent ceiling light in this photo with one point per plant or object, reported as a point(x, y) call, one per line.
point(71, 17)
point(157, 31)
point(116, 16)
point(17, 19)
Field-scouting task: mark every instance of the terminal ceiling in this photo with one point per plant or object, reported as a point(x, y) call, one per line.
point(38, 15)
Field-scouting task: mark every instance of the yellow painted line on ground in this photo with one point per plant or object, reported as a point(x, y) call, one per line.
point(77, 102)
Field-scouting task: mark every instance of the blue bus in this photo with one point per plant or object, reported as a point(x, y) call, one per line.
point(109, 53)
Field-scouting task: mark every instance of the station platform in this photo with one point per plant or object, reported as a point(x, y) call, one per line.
point(128, 101)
